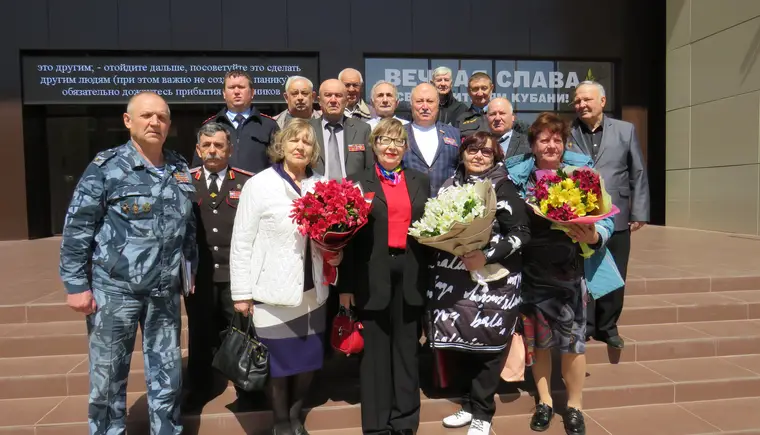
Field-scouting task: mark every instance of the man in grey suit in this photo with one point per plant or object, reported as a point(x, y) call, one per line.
point(614, 147)
point(501, 119)
point(344, 141)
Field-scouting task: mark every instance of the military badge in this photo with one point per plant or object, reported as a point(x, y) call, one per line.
point(239, 187)
point(146, 207)
point(125, 207)
point(212, 194)
point(356, 147)
point(450, 141)
point(234, 194)
point(135, 208)
point(180, 177)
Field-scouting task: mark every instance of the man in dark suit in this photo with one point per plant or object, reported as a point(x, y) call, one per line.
point(344, 142)
point(614, 147)
point(433, 147)
point(210, 308)
point(251, 131)
point(500, 120)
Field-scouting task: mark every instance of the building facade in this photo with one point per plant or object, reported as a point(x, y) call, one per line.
point(69, 68)
point(713, 115)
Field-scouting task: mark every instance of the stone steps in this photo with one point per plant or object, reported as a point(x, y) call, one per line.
point(610, 389)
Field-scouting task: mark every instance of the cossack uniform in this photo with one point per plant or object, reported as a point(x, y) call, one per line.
point(210, 309)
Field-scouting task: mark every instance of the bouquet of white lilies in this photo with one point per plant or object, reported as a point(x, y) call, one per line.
point(459, 221)
point(455, 204)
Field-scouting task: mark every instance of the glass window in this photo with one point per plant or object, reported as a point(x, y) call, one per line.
point(404, 73)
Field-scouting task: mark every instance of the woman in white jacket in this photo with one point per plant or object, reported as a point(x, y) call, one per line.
point(276, 273)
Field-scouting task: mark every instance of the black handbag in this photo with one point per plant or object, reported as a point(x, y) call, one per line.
point(242, 358)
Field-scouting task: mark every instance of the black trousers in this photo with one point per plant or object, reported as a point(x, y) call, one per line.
point(389, 378)
point(604, 313)
point(477, 377)
point(209, 313)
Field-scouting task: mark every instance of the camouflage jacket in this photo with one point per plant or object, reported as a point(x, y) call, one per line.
point(127, 226)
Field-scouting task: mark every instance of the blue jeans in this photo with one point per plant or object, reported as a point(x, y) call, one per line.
point(112, 330)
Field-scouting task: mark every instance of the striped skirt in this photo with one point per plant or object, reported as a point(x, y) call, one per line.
point(293, 335)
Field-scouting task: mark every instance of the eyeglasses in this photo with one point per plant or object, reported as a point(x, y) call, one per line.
point(387, 141)
point(486, 152)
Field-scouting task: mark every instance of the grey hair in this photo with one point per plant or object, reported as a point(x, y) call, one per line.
point(383, 82)
point(593, 83)
point(441, 71)
point(291, 79)
point(340, 74)
point(209, 129)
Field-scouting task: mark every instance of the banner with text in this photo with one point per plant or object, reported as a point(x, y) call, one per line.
point(534, 85)
point(99, 80)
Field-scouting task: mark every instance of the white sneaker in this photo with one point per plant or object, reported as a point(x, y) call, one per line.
point(479, 427)
point(460, 418)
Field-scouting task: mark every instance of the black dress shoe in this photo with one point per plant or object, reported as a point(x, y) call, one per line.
point(403, 432)
point(615, 341)
point(574, 422)
point(542, 417)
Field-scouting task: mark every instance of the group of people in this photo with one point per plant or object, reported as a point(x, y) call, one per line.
point(140, 214)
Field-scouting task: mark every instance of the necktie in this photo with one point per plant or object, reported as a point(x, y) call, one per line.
point(239, 119)
point(213, 189)
point(334, 171)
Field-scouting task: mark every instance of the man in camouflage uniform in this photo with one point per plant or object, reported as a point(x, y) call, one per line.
point(128, 228)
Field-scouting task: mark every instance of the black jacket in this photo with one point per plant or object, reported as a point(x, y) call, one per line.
point(215, 218)
point(249, 141)
point(365, 269)
point(449, 109)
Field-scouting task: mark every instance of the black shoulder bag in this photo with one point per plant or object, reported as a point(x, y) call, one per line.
point(242, 358)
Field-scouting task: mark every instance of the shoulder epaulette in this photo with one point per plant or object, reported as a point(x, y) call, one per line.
point(267, 116)
point(470, 120)
point(103, 157)
point(209, 119)
point(242, 171)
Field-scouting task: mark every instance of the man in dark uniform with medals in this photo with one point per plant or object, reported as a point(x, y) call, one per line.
point(210, 309)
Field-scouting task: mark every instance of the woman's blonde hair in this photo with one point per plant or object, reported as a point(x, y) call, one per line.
point(389, 127)
point(294, 128)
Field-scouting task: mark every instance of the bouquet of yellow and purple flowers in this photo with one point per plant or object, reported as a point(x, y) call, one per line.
point(571, 195)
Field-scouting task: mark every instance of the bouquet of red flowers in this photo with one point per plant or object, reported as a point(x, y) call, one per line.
point(330, 216)
point(573, 195)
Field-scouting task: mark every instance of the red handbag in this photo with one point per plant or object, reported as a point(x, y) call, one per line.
point(346, 333)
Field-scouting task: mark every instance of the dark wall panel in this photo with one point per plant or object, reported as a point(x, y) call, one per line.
point(30, 18)
point(441, 26)
point(325, 26)
point(578, 28)
point(196, 24)
point(387, 28)
point(145, 24)
point(84, 24)
point(501, 26)
point(254, 26)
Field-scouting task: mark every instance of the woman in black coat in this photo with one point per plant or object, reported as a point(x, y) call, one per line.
point(384, 274)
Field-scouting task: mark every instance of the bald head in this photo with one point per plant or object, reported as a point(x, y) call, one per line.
point(500, 116)
point(332, 99)
point(141, 98)
point(148, 119)
point(425, 104)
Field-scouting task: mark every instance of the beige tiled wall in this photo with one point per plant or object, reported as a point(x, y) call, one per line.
point(713, 115)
